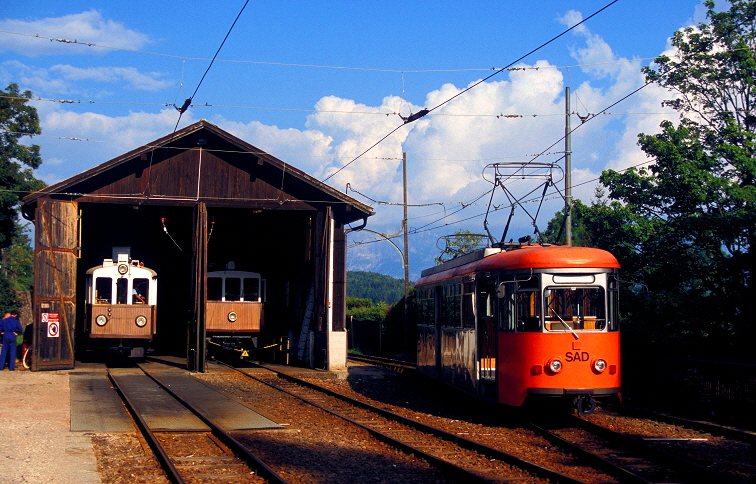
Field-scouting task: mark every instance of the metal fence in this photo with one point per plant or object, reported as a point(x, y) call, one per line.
point(700, 387)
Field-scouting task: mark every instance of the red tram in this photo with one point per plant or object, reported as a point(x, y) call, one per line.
point(523, 323)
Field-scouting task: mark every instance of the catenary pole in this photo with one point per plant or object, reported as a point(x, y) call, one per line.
point(567, 171)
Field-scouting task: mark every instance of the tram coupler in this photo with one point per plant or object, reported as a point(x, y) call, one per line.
point(585, 404)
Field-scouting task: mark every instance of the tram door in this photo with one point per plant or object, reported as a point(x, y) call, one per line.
point(486, 303)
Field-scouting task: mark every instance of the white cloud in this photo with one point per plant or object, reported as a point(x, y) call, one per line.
point(87, 27)
point(66, 80)
point(134, 79)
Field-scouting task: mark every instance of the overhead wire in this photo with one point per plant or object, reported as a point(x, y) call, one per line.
point(315, 66)
point(423, 112)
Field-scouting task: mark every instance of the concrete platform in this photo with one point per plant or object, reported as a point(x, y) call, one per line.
point(36, 443)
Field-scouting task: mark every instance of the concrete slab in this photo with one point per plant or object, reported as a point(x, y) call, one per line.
point(96, 406)
point(160, 411)
point(228, 414)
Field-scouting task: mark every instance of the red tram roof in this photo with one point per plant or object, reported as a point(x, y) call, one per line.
point(527, 257)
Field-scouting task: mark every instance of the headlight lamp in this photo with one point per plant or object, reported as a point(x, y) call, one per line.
point(554, 365)
point(599, 365)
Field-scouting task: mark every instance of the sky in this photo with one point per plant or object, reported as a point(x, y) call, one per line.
point(325, 86)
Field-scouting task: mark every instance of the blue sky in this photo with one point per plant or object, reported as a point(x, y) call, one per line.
point(317, 83)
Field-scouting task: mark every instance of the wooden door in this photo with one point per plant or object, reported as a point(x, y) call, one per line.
point(56, 254)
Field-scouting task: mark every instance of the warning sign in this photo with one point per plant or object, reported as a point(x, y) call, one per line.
point(53, 324)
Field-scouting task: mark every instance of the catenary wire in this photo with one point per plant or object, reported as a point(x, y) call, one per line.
point(424, 112)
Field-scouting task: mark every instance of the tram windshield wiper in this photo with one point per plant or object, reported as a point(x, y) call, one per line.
point(564, 323)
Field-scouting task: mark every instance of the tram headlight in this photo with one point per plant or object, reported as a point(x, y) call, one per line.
point(554, 365)
point(141, 321)
point(598, 365)
point(123, 269)
point(101, 320)
point(232, 316)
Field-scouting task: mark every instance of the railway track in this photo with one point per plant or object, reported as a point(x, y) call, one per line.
point(660, 455)
point(745, 436)
point(190, 446)
point(465, 459)
point(628, 460)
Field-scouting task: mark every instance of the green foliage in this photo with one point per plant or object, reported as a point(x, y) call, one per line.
point(17, 261)
point(17, 161)
point(461, 243)
point(363, 309)
point(684, 227)
point(375, 287)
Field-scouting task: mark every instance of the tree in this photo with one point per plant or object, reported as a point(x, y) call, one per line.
point(17, 120)
point(694, 208)
point(17, 162)
point(461, 243)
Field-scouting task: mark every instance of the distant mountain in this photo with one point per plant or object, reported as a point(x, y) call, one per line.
point(374, 286)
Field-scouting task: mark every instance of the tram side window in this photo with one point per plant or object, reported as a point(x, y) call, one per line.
point(451, 311)
point(505, 294)
point(613, 303)
point(468, 313)
point(103, 290)
point(141, 291)
point(426, 306)
point(233, 289)
point(528, 305)
point(214, 289)
point(251, 289)
point(122, 291)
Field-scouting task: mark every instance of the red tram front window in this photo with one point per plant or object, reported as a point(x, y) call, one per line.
point(103, 290)
point(575, 308)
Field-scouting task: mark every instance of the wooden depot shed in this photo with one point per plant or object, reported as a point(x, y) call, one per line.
point(185, 204)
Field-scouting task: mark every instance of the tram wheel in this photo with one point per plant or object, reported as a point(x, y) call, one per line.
point(585, 405)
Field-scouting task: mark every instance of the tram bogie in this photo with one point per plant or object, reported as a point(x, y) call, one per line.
point(121, 302)
point(523, 324)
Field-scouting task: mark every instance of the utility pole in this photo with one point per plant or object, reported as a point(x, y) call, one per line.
point(567, 171)
point(406, 248)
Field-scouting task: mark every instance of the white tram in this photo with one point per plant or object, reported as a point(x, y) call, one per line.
point(121, 300)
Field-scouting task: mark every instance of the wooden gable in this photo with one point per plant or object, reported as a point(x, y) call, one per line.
point(202, 163)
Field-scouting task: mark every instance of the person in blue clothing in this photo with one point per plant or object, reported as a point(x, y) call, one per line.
point(10, 327)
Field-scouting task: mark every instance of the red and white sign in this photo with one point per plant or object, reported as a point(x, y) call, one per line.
point(53, 324)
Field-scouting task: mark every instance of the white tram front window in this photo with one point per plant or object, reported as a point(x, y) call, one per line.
point(103, 290)
point(122, 291)
point(570, 308)
point(140, 291)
